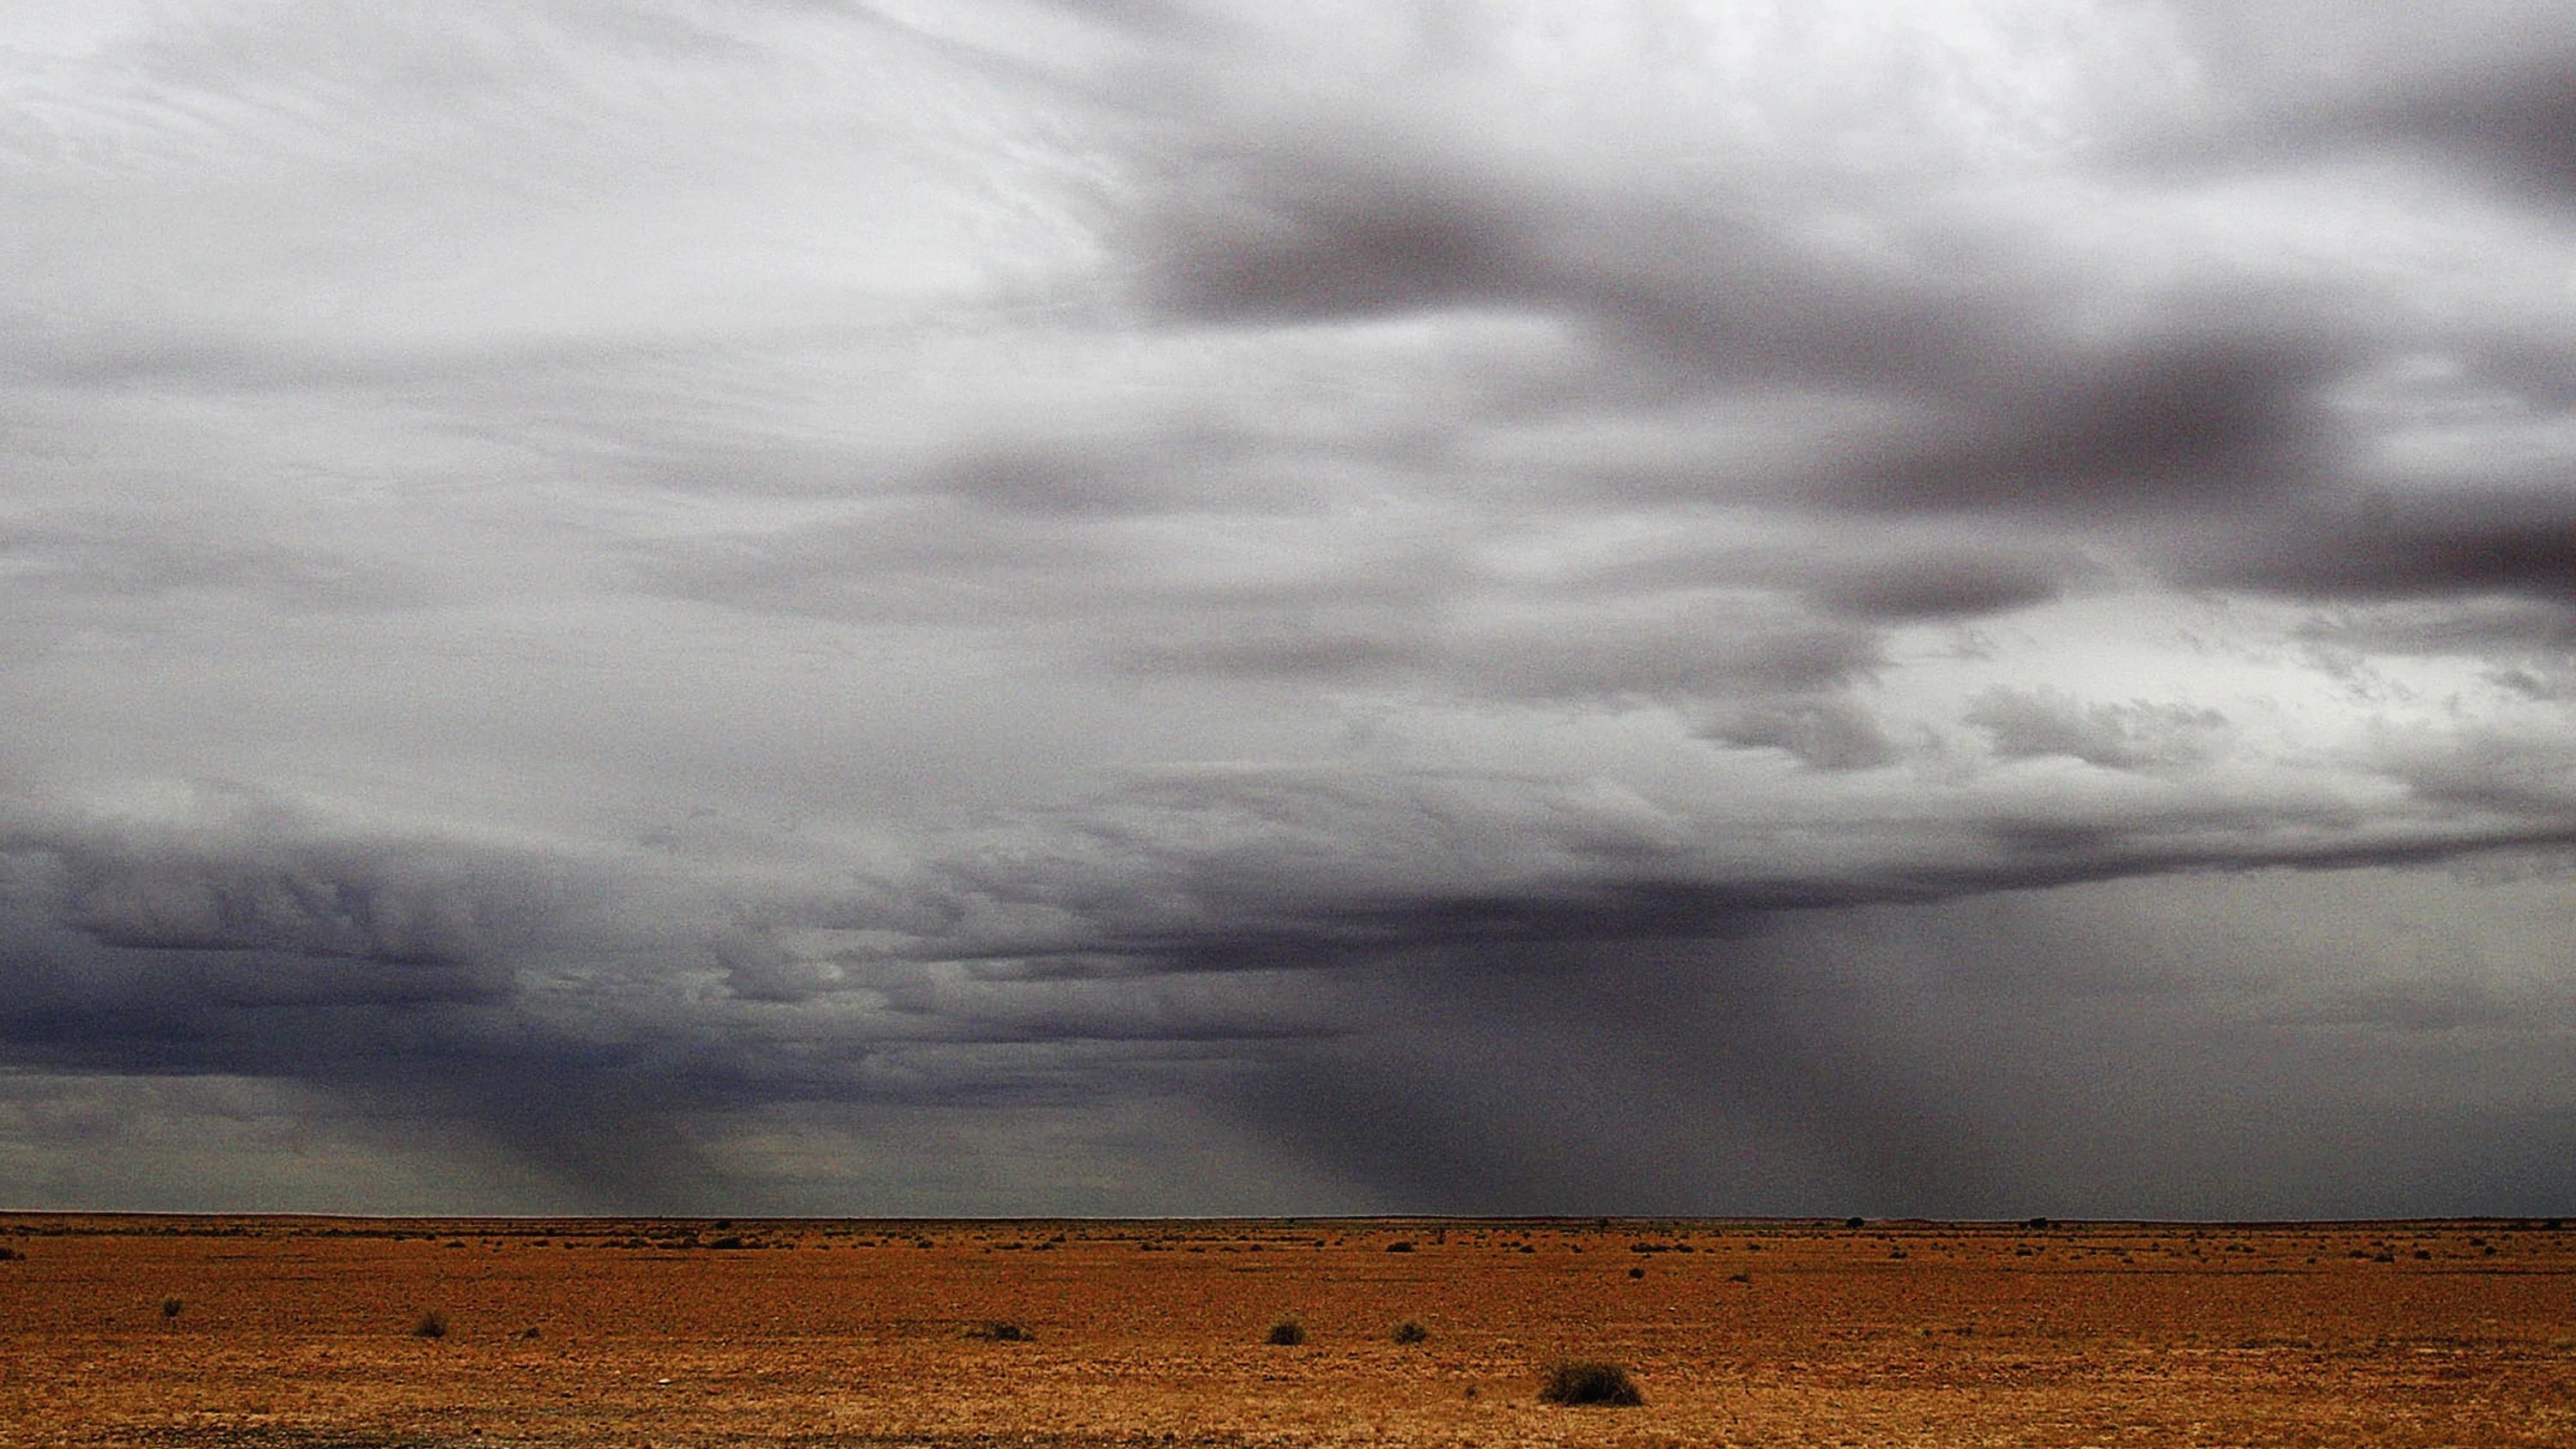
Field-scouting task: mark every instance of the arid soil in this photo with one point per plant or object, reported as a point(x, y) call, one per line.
point(308, 1332)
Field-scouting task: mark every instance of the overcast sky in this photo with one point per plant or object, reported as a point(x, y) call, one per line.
point(1199, 606)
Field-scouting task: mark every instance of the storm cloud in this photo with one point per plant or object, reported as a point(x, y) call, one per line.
point(1165, 608)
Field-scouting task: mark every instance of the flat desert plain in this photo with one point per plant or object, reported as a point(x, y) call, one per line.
point(315, 1332)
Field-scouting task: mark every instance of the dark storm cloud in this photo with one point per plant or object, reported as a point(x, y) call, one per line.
point(244, 873)
point(2516, 776)
point(2511, 546)
point(2198, 422)
point(1239, 871)
point(306, 907)
point(1693, 1044)
point(1291, 238)
point(1931, 582)
point(1516, 608)
point(527, 999)
point(2520, 120)
point(1689, 652)
point(2218, 403)
point(1307, 226)
point(1492, 919)
point(1641, 1042)
point(1951, 1056)
point(224, 945)
point(386, 973)
point(2501, 121)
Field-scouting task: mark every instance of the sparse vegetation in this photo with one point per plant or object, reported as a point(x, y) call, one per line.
point(1581, 1382)
point(432, 1324)
point(682, 1342)
point(1410, 1332)
point(171, 1307)
point(1286, 1333)
point(1400, 1245)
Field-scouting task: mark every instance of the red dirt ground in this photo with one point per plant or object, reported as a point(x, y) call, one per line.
point(301, 1332)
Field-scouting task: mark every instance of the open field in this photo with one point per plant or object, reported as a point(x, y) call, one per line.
point(305, 1332)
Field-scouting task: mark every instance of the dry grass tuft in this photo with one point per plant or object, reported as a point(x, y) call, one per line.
point(998, 1331)
point(1585, 1381)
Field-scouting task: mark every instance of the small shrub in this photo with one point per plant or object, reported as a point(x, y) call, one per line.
point(432, 1324)
point(10, 1255)
point(998, 1331)
point(1636, 1272)
point(1579, 1382)
point(1410, 1332)
point(170, 1307)
point(1400, 1245)
point(1287, 1333)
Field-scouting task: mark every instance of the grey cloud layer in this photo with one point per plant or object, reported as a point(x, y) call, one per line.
point(1369, 596)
